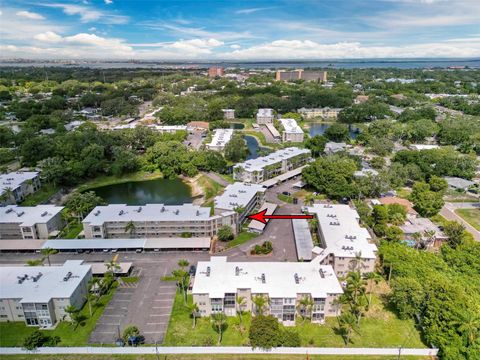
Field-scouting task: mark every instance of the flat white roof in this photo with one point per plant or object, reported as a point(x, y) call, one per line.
point(13, 180)
point(291, 126)
point(221, 137)
point(343, 235)
point(178, 243)
point(259, 163)
point(149, 212)
point(257, 225)
point(99, 244)
point(303, 239)
point(273, 130)
point(265, 112)
point(50, 284)
point(237, 194)
point(217, 277)
point(28, 215)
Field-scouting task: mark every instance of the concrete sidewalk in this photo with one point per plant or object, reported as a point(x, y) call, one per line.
point(221, 350)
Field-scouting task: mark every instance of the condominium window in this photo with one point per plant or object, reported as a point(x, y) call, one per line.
point(229, 300)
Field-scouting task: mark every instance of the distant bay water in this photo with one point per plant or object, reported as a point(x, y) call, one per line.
point(334, 64)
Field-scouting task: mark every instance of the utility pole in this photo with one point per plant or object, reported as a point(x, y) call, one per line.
point(399, 352)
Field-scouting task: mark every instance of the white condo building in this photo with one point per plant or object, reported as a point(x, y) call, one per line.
point(291, 131)
point(38, 295)
point(266, 167)
point(14, 186)
point(218, 283)
point(220, 138)
point(155, 221)
point(241, 196)
point(264, 116)
point(343, 239)
point(325, 113)
point(228, 114)
point(30, 222)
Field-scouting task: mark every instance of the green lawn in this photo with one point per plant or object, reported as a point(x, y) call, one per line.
point(12, 334)
point(73, 230)
point(43, 194)
point(472, 216)
point(208, 357)
point(286, 198)
point(210, 189)
point(241, 238)
point(110, 180)
point(380, 328)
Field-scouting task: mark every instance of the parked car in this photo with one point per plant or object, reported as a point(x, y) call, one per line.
point(192, 270)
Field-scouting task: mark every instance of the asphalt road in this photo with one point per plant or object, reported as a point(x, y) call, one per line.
point(448, 212)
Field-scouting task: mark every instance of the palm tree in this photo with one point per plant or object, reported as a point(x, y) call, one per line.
point(72, 311)
point(112, 266)
point(90, 297)
point(66, 218)
point(36, 262)
point(193, 310)
point(356, 263)
point(7, 195)
point(183, 263)
point(130, 228)
point(219, 320)
point(371, 278)
point(46, 252)
point(469, 326)
point(260, 302)
point(430, 235)
point(348, 325)
point(240, 301)
point(305, 306)
point(417, 238)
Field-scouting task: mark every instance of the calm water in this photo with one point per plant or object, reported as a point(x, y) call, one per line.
point(163, 191)
point(236, 126)
point(340, 64)
point(253, 147)
point(320, 128)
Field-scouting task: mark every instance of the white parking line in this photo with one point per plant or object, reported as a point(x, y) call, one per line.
point(161, 307)
point(162, 300)
point(122, 300)
point(105, 332)
point(153, 332)
point(159, 315)
point(109, 324)
point(113, 315)
point(158, 323)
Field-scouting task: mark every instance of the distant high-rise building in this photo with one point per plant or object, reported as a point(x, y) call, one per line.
point(300, 74)
point(216, 71)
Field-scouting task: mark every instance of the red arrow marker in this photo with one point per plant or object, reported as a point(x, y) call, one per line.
point(261, 217)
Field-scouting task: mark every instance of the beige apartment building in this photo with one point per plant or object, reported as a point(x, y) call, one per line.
point(30, 222)
point(218, 283)
point(291, 131)
point(155, 221)
point(15, 186)
point(38, 295)
point(264, 116)
point(300, 74)
point(346, 245)
point(324, 113)
point(266, 167)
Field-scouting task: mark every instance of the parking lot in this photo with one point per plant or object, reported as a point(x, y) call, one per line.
point(146, 304)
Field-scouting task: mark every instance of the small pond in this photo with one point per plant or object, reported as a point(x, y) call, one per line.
point(320, 128)
point(236, 126)
point(158, 191)
point(253, 147)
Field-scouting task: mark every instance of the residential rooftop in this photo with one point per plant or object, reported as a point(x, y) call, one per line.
point(237, 194)
point(221, 137)
point(265, 112)
point(13, 180)
point(39, 284)
point(148, 212)
point(28, 215)
point(277, 279)
point(342, 233)
point(291, 126)
point(259, 163)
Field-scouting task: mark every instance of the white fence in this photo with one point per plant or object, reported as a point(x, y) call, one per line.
point(220, 350)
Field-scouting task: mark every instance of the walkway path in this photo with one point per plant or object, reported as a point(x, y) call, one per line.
point(217, 178)
point(448, 212)
point(221, 350)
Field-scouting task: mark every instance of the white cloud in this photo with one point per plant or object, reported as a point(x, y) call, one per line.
point(29, 15)
point(49, 37)
point(92, 29)
point(108, 2)
point(235, 46)
point(88, 14)
point(251, 10)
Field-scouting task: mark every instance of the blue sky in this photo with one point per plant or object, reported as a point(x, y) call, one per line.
point(239, 30)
